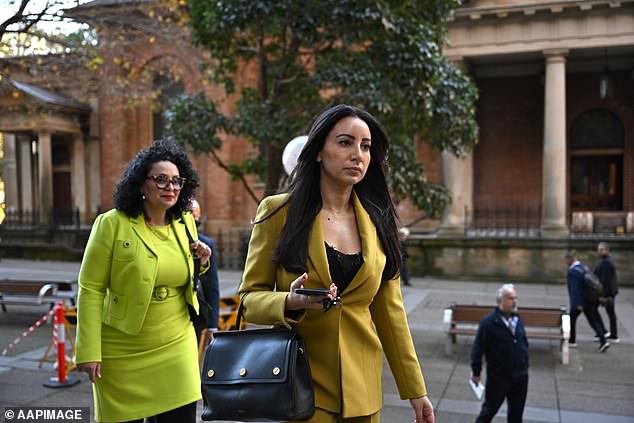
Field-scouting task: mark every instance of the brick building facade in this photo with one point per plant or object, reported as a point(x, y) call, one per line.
point(556, 114)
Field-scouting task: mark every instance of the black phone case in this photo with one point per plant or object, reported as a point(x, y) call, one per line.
point(312, 291)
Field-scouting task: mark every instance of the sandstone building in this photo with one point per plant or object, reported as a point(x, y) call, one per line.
point(553, 168)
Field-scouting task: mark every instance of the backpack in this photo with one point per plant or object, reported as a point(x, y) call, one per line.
point(592, 288)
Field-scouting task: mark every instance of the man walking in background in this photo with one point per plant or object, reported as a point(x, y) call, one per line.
point(502, 339)
point(211, 284)
point(581, 303)
point(606, 273)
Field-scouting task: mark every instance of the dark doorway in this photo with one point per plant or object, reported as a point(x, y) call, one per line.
point(62, 194)
point(596, 183)
point(596, 162)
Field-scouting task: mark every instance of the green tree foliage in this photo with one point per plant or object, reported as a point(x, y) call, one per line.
point(384, 56)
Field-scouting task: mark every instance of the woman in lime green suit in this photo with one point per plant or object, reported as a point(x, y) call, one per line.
point(135, 339)
point(337, 225)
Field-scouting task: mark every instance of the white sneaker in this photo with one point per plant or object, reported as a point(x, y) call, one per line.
point(572, 345)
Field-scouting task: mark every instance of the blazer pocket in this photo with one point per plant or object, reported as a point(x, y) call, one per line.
point(125, 249)
point(117, 305)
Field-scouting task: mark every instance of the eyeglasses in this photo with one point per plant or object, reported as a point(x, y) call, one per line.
point(162, 181)
point(335, 302)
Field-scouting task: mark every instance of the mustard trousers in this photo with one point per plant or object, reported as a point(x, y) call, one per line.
point(323, 416)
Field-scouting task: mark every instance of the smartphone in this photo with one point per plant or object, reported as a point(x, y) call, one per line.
point(313, 291)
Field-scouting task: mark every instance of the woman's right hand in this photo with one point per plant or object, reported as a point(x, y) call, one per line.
point(298, 301)
point(93, 370)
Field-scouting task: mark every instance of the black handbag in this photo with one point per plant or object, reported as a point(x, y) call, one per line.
point(257, 375)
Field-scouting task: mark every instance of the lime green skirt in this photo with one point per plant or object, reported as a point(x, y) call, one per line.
point(152, 372)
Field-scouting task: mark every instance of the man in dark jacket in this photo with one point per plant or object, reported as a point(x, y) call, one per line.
point(211, 284)
point(606, 273)
point(502, 339)
point(579, 303)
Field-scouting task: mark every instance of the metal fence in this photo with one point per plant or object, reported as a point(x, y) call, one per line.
point(58, 218)
point(25, 228)
point(232, 245)
point(506, 220)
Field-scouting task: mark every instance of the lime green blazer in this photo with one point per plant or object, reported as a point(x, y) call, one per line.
point(116, 277)
point(345, 345)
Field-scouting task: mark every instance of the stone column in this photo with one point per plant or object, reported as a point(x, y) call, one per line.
point(10, 173)
point(457, 173)
point(554, 156)
point(25, 166)
point(45, 168)
point(78, 176)
point(93, 178)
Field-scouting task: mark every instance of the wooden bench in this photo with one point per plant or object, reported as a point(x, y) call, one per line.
point(540, 323)
point(36, 292)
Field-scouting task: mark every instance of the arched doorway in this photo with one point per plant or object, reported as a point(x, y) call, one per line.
point(596, 162)
point(62, 195)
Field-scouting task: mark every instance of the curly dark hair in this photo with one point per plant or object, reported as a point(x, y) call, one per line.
point(127, 197)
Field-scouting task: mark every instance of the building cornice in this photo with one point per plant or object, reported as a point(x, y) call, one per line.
point(531, 8)
point(576, 28)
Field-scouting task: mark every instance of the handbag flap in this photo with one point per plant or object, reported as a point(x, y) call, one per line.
point(249, 356)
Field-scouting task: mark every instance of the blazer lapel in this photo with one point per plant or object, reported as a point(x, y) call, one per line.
point(317, 252)
point(139, 227)
point(369, 244)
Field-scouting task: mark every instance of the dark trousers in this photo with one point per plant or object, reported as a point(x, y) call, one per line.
point(590, 310)
point(498, 387)
point(184, 414)
point(609, 308)
point(404, 271)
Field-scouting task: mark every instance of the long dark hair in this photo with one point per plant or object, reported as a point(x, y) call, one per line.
point(127, 196)
point(304, 200)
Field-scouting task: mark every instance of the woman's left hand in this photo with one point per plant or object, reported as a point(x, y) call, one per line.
point(202, 250)
point(423, 409)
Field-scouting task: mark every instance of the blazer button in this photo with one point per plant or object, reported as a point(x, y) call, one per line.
point(115, 300)
point(127, 244)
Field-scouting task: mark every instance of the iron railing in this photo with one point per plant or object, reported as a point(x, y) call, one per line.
point(59, 218)
point(507, 220)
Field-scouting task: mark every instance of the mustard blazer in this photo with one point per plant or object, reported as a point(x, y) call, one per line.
point(345, 345)
point(116, 277)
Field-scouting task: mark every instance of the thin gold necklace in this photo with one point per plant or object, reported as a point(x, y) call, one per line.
point(157, 233)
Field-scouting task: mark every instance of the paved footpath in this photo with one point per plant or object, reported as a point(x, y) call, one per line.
point(594, 387)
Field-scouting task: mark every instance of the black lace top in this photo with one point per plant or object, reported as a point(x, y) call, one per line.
point(343, 267)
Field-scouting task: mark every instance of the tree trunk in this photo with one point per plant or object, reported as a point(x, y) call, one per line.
point(273, 169)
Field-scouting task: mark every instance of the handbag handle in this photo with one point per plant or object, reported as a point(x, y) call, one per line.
point(236, 326)
point(196, 258)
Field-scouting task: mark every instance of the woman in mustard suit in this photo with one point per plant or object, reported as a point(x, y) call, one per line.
point(337, 225)
point(135, 339)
